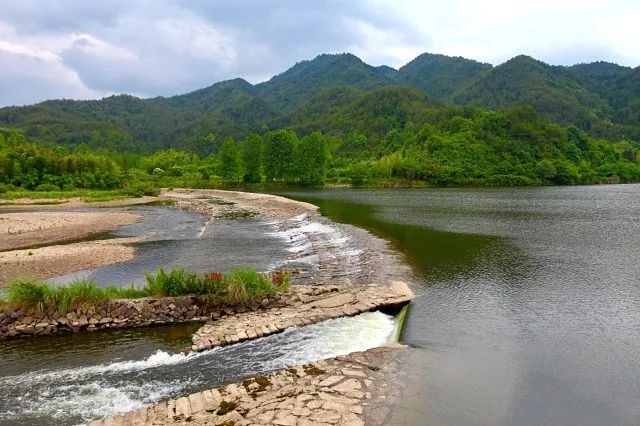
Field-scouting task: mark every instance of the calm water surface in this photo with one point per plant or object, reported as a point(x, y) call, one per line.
point(177, 239)
point(530, 299)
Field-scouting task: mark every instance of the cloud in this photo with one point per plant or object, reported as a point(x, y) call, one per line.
point(79, 49)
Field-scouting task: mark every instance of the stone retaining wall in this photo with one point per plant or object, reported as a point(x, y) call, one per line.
point(355, 389)
point(112, 314)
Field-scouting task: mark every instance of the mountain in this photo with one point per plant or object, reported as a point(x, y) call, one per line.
point(307, 78)
point(526, 81)
point(600, 98)
point(618, 85)
point(439, 75)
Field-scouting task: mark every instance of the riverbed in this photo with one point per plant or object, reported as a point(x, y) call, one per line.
point(530, 304)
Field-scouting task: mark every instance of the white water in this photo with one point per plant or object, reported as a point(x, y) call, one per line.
point(67, 396)
point(321, 248)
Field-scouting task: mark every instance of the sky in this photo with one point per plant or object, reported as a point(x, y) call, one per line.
point(82, 49)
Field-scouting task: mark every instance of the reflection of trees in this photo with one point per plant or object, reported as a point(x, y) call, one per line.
point(435, 254)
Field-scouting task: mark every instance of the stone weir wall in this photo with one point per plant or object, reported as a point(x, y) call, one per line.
point(113, 314)
point(356, 389)
point(227, 324)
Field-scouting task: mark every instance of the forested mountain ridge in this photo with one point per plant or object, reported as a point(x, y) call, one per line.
point(440, 76)
point(600, 98)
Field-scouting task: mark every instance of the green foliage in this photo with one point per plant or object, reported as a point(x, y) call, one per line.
point(29, 166)
point(141, 189)
point(313, 156)
point(240, 286)
point(173, 283)
point(374, 132)
point(280, 155)
point(244, 285)
point(230, 166)
point(75, 294)
point(28, 293)
point(599, 98)
point(252, 157)
point(46, 187)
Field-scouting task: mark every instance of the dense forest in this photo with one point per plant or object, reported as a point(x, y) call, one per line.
point(397, 139)
point(29, 166)
point(436, 121)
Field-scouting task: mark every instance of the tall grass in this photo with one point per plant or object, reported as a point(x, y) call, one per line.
point(240, 287)
point(244, 285)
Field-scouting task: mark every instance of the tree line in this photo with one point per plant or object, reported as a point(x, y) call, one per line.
point(29, 166)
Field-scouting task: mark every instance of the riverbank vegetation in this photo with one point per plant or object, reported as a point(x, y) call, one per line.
point(241, 286)
point(451, 147)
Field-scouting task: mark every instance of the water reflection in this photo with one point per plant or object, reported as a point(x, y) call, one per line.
point(437, 255)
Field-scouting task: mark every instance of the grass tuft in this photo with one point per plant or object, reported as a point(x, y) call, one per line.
point(240, 287)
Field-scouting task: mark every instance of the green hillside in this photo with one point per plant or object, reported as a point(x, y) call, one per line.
point(340, 95)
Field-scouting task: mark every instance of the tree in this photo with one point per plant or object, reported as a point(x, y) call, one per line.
point(229, 161)
point(312, 159)
point(252, 157)
point(279, 155)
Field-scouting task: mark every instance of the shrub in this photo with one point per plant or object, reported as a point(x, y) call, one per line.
point(78, 293)
point(113, 292)
point(47, 187)
point(140, 189)
point(174, 283)
point(240, 287)
point(280, 280)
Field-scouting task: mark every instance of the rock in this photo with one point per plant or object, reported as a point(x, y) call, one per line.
point(287, 420)
point(183, 410)
point(330, 381)
point(347, 386)
point(353, 372)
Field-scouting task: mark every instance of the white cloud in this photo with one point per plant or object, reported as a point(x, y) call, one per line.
point(28, 78)
point(496, 30)
point(74, 48)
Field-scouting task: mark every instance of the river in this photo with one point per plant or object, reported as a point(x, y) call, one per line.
point(527, 310)
point(529, 307)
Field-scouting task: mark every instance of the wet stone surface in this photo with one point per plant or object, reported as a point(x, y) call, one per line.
point(355, 389)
